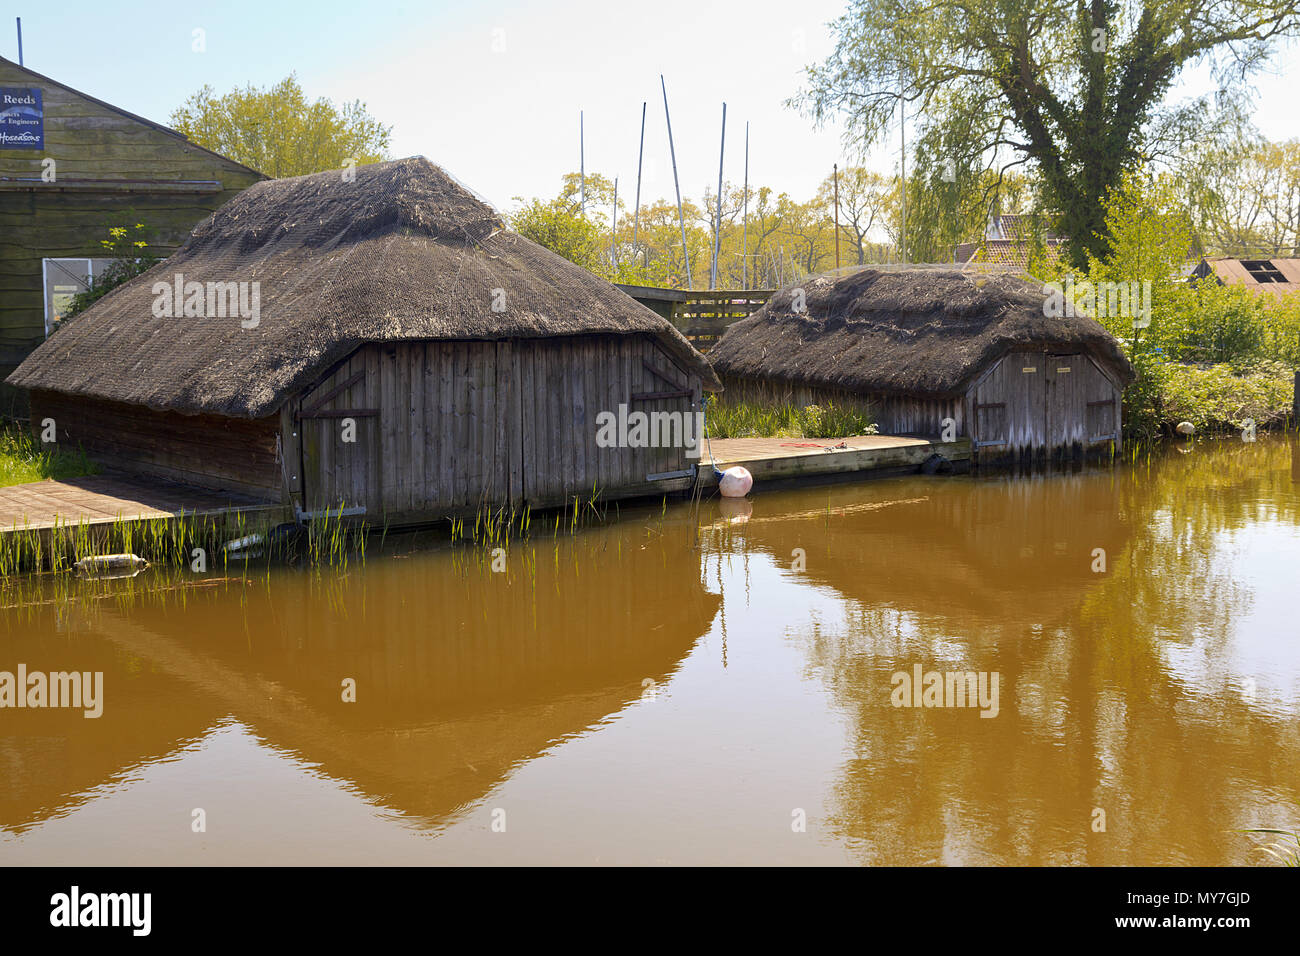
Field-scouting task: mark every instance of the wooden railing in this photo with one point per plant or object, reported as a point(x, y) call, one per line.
point(702, 316)
point(705, 315)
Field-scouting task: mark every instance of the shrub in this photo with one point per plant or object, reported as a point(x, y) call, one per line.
point(130, 258)
point(1224, 396)
point(754, 420)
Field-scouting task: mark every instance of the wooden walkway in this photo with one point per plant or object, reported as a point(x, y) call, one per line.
point(784, 459)
point(103, 499)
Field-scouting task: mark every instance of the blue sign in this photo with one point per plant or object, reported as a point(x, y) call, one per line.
point(22, 122)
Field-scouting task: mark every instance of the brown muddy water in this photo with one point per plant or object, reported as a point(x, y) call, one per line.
point(711, 687)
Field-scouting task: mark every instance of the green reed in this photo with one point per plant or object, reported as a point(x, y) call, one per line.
point(184, 541)
point(1280, 850)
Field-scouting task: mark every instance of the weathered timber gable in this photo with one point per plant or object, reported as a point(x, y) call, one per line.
point(442, 428)
point(1032, 403)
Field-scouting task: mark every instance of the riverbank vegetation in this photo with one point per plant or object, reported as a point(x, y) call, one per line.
point(201, 543)
point(23, 459)
point(787, 420)
point(1218, 356)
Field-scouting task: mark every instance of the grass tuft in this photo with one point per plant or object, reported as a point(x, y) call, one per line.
point(24, 459)
point(761, 420)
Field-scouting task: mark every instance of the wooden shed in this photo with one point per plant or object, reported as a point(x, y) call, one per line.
point(78, 167)
point(410, 356)
point(926, 346)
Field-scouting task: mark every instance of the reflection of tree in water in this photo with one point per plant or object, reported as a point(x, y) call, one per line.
point(994, 575)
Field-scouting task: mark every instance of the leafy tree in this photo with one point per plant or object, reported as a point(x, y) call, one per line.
point(563, 230)
point(600, 196)
point(1246, 197)
point(868, 203)
point(278, 132)
point(129, 250)
point(786, 239)
point(1076, 90)
point(766, 227)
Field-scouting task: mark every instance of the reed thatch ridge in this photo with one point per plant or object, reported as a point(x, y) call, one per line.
point(401, 253)
point(923, 333)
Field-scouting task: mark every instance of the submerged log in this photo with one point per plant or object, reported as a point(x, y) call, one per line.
point(111, 565)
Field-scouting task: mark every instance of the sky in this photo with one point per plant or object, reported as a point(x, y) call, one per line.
point(492, 91)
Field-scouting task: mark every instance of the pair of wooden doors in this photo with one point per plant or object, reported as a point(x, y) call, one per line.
point(1043, 400)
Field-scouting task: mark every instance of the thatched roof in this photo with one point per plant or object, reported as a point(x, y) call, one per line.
point(402, 253)
point(913, 332)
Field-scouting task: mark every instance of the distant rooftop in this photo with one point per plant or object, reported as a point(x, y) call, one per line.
point(1275, 276)
point(1008, 244)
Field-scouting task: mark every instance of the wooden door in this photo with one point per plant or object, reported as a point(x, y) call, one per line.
point(1082, 404)
point(1009, 407)
point(339, 423)
point(1067, 379)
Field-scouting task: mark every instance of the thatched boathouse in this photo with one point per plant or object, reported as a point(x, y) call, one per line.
point(378, 340)
point(925, 346)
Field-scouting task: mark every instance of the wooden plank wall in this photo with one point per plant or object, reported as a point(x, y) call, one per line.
point(229, 454)
point(1083, 406)
point(1012, 396)
point(893, 414)
point(468, 424)
point(571, 382)
point(1024, 403)
point(337, 472)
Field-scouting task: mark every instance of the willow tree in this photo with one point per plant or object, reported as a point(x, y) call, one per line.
point(1078, 90)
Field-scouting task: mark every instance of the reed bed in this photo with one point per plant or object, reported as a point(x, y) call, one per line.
point(496, 526)
point(193, 542)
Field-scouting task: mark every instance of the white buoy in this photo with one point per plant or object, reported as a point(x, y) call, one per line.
point(735, 482)
point(1185, 428)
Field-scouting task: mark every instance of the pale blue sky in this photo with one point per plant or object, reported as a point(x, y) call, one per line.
point(504, 123)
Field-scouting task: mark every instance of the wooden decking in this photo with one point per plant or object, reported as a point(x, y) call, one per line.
point(103, 499)
point(773, 459)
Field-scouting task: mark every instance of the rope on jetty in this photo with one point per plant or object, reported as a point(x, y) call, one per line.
point(704, 414)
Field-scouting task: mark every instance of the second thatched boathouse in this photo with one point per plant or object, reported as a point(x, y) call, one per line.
point(370, 338)
point(971, 355)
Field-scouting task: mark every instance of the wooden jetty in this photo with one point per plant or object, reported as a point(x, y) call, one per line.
point(100, 500)
point(793, 460)
point(103, 500)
